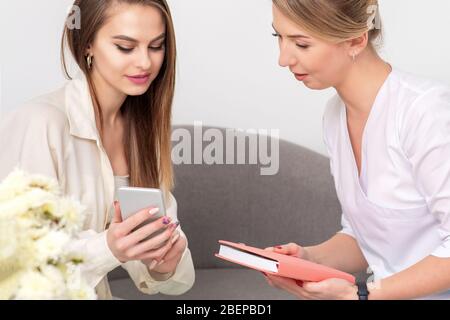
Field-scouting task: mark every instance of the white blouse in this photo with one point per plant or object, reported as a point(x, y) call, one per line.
point(398, 209)
point(56, 135)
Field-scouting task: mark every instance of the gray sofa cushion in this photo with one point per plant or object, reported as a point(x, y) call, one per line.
point(236, 203)
point(211, 284)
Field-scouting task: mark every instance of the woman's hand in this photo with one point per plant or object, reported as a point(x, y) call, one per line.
point(127, 245)
point(169, 262)
point(331, 289)
point(291, 249)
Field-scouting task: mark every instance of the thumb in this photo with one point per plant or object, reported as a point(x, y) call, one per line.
point(117, 218)
point(290, 249)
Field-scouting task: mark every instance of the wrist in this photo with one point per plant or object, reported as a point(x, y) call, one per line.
point(374, 289)
point(362, 290)
point(353, 294)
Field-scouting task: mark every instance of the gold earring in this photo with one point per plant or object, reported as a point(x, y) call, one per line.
point(89, 61)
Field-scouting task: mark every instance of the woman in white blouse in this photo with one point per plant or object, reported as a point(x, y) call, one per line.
point(387, 133)
point(109, 127)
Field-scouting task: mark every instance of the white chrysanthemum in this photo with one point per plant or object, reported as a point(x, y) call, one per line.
point(28, 208)
point(34, 285)
point(9, 285)
point(72, 214)
point(13, 185)
point(84, 292)
point(51, 246)
point(8, 239)
point(36, 225)
point(44, 183)
point(55, 275)
point(77, 289)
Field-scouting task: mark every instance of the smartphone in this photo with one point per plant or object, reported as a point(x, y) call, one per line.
point(132, 200)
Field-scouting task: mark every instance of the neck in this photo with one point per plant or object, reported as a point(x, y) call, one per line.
point(110, 100)
point(362, 84)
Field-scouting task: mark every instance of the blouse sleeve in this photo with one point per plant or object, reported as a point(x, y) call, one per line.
point(425, 139)
point(180, 282)
point(25, 143)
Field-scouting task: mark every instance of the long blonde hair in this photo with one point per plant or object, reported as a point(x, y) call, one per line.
point(147, 117)
point(335, 20)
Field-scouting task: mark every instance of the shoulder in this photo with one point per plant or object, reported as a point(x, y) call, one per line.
point(417, 96)
point(43, 111)
point(423, 111)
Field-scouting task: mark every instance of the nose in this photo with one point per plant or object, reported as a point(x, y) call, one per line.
point(145, 61)
point(287, 58)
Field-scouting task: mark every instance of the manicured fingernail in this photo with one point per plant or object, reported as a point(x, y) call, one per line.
point(153, 264)
point(175, 224)
point(153, 211)
point(161, 262)
point(279, 247)
point(166, 220)
point(175, 238)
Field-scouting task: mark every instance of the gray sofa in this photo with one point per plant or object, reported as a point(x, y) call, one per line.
point(236, 203)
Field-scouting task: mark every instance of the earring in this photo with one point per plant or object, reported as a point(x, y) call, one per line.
point(89, 61)
point(354, 56)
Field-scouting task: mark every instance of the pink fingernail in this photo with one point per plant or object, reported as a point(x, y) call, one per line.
point(166, 220)
point(175, 225)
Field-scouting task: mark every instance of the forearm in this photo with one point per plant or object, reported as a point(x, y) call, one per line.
point(341, 252)
point(427, 277)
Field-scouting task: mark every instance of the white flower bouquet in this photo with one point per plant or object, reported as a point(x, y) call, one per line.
point(36, 223)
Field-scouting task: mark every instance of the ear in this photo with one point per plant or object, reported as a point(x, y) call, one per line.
point(357, 45)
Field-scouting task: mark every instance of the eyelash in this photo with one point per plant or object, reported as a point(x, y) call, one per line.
point(276, 35)
point(127, 50)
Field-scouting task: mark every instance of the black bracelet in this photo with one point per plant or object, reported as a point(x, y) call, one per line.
point(363, 292)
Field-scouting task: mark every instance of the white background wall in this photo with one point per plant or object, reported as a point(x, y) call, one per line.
point(228, 72)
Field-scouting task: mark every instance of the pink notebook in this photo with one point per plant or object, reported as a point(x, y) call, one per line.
point(278, 264)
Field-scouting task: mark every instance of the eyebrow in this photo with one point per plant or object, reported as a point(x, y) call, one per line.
point(126, 38)
point(293, 36)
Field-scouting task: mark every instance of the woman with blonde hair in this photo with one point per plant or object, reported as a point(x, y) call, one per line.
point(110, 127)
point(387, 133)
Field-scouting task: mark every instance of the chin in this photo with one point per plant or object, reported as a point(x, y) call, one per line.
point(138, 91)
point(316, 85)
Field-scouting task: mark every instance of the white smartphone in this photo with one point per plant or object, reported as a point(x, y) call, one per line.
point(132, 200)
